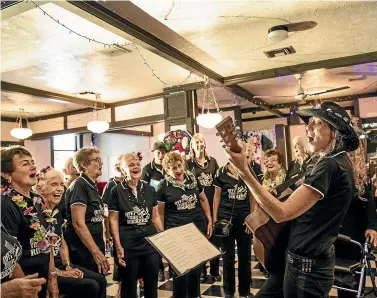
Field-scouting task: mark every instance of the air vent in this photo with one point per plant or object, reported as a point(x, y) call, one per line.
point(114, 51)
point(280, 52)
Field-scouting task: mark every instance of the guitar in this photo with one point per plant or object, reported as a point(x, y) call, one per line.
point(270, 238)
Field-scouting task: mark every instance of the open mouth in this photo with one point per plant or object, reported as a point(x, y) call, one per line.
point(135, 172)
point(57, 196)
point(33, 176)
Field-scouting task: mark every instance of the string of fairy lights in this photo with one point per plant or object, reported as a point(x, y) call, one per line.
point(207, 88)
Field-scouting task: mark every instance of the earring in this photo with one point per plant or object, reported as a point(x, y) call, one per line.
point(9, 180)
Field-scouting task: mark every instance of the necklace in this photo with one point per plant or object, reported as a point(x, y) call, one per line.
point(31, 209)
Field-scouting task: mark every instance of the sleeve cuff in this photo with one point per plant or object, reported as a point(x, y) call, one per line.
point(78, 203)
point(217, 186)
point(312, 187)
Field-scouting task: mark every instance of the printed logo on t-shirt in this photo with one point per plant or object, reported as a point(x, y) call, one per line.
point(205, 179)
point(238, 193)
point(98, 215)
point(187, 202)
point(10, 259)
point(139, 216)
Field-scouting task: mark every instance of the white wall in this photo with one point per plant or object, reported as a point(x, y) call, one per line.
point(6, 127)
point(113, 145)
point(41, 152)
point(214, 147)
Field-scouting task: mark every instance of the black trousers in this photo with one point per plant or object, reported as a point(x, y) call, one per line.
point(37, 264)
point(93, 285)
point(81, 256)
point(315, 284)
point(145, 267)
point(214, 263)
point(244, 260)
point(273, 286)
point(188, 285)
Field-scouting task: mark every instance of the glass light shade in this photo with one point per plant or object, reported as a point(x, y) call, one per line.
point(21, 133)
point(208, 120)
point(97, 126)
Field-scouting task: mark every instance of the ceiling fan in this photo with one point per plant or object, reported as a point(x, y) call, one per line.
point(300, 94)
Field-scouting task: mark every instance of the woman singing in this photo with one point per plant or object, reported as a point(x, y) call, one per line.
point(73, 281)
point(317, 207)
point(181, 201)
point(21, 211)
point(232, 201)
point(85, 213)
point(204, 167)
point(134, 216)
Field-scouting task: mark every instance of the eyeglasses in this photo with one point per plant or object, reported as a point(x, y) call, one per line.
point(98, 160)
point(267, 160)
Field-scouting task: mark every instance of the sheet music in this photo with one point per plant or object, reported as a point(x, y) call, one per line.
point(184, 247)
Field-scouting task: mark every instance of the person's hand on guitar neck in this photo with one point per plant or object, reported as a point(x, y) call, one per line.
point(238, 160)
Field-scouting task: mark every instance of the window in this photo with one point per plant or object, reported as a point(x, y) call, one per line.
point(64, 146)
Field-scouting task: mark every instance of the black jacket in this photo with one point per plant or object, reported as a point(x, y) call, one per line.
point(361, 215)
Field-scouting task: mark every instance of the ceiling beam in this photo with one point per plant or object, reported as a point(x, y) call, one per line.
point(119, 14)
point(300, 68)
point(257, 101)
point(10, 87)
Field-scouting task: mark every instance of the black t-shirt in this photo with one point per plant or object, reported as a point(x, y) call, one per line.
point(18, 224)
point(135, 216)
point(314, 232)
point(83, 191)
point(205, 175)
point(62, 205)
point(107, 190)
point(152, 174)
point(10, 254)
point(233, 190)
point(182, 203)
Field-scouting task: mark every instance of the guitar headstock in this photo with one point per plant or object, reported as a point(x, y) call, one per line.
point(229, 134)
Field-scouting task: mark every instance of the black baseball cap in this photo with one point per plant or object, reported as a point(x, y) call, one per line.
point(159, 146)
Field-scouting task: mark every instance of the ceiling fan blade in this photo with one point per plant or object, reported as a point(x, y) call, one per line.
point(301, 26)
point(330, 90)
point(272, 96)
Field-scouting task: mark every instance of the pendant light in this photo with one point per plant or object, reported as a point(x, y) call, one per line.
point(97, 126)
point(20, 132)
point(208, 119)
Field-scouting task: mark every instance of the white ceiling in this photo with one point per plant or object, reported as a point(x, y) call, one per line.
point(316, 81)
point(235, 32)
point(39, 53)
point(34, 106)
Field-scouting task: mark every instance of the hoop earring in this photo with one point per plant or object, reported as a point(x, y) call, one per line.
point(9, 180)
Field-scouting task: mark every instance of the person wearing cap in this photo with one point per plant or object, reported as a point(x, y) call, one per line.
point(153, 174)
point(316, 208)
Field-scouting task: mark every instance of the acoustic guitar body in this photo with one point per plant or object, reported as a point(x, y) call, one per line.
point(270, 241)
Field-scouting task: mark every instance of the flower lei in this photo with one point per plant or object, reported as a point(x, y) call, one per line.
point(41, 234)
point(183, 185)
point(269, 184)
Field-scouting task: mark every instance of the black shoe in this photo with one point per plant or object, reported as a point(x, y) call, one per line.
point(247, 296)
point(170, 275)
point(266, 274)
point(217, 278)
point(161, 276)
point(229, 296)
point(203, 278)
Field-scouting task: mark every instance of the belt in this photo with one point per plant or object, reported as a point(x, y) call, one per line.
point(307, 264)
